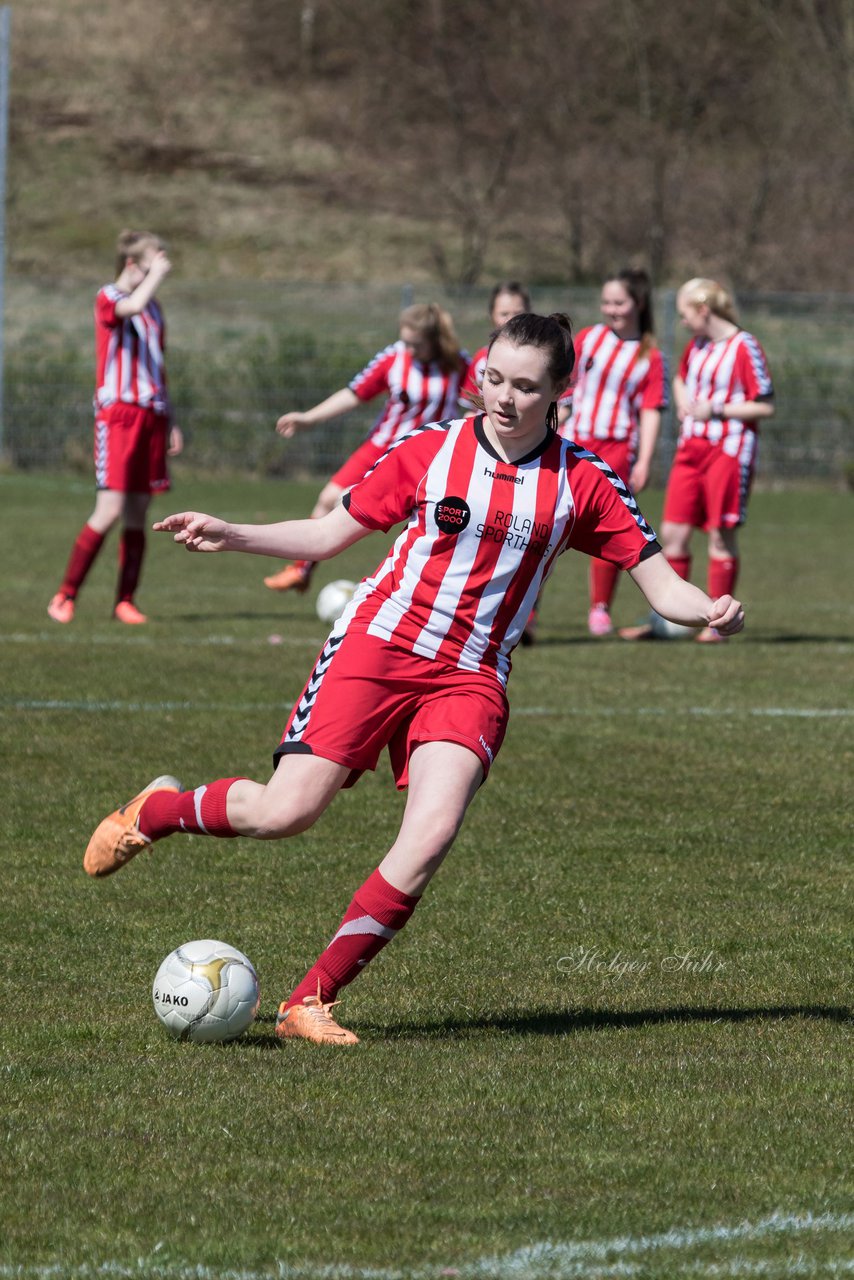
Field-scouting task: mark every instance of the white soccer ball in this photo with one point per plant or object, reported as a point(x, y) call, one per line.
point(206, 991)
point(333, 599)
point(663, 629)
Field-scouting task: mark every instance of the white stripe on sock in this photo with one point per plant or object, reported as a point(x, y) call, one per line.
point(364, 924)
point(198, 796)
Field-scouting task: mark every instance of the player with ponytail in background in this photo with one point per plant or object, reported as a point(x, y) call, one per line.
point(421, 375)
point(619, 395)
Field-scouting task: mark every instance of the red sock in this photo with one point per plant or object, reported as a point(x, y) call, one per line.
point(723, 575)
point(680, 565)
point(86, 547)
point(378, 911)
point(199, 812)
point(131, 551)
point(603, 582)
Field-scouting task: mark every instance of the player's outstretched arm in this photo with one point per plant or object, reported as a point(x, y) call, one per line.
point(291, 539)
point(339, 402)
point(680, 601)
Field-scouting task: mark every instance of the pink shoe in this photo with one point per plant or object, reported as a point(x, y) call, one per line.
point(61, 608)
point(599, 621)
point(710, 636)
point(127, 612)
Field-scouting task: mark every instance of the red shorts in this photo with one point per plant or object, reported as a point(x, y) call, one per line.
point(616, 453)
point(707, 487)
point(130, 449)
point(359, 464)
point(365, 694)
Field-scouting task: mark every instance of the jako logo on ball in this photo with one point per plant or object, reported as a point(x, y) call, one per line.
point(452, 515)
point(206, 990)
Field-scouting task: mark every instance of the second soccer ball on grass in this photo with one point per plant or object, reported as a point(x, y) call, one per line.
point(333, 599)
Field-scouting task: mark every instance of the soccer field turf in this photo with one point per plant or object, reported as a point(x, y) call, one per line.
point(615, 1038)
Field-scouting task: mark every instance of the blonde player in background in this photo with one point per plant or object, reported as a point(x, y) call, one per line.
point(134, 431)
point(723, 390)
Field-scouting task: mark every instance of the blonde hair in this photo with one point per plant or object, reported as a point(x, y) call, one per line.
point(133, 244)
point(432, 322)
point(718, 299)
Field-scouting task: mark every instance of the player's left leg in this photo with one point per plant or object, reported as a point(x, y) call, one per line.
point(443, 778)
point(131, 553)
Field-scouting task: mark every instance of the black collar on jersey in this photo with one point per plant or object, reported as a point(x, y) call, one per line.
point(520, 462)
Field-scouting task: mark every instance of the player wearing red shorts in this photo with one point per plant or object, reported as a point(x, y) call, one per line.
point(133, 427)
point(419, 660)
point(616, 402)
point(722, 392)
point(420, 375)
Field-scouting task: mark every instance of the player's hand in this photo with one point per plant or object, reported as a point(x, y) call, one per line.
point(160, 265)
point(195, 530)
point(700, 410)
point(638, 477)
point(726, 615)
point(290, 423)
point(176, 442)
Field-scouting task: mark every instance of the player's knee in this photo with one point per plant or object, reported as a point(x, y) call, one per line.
point(274, 822)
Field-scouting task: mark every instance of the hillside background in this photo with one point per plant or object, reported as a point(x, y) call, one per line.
point(456, 142)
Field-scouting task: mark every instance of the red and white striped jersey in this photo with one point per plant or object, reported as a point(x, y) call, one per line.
point(129, 365)
point(614, 382)
point(474, 378)
point(417, 392)
point(734, 368)
point(482, 536)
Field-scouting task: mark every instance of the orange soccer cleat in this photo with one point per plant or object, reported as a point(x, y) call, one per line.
point(127, 612)
point(118, 839)
point(61, 608)
point(293, 577)
point(312, 1020)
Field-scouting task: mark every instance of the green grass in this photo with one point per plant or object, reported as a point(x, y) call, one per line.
point(511, 1090)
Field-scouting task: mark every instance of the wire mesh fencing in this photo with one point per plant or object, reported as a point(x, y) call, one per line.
point(242, 353)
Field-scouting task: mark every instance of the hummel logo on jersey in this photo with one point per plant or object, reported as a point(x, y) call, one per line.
point(452, 515)
point(504, 475)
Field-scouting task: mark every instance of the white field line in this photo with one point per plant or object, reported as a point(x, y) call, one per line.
point(579, 1260)
point(574, 713)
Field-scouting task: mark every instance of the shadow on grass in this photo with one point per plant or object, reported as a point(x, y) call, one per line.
point(550, 1022)
point(657, 642)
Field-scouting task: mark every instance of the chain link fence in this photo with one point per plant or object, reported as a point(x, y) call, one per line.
point(240, 354)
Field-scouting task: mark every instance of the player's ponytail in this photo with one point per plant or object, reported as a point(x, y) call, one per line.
point(552, 334)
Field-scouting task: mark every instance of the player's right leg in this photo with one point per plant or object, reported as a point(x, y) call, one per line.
point(293, 799)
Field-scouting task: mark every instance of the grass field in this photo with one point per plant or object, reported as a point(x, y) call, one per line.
point(614, 1040)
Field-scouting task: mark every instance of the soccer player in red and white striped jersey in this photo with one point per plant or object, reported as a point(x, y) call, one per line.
point(134, 431)
point(723, 391)
point(420, 375)
point(507, 299)
point(419, 660)
point(617, 400)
